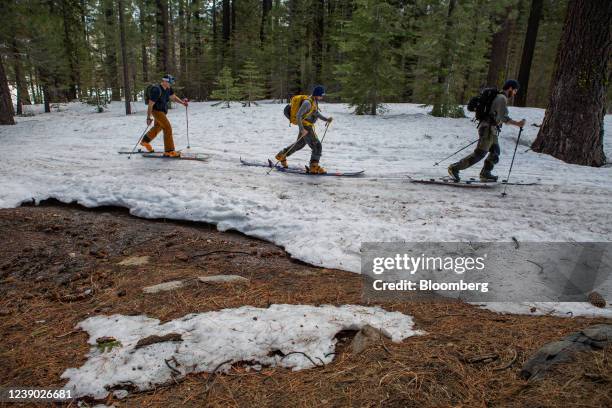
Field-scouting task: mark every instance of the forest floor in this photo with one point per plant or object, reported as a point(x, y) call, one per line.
point(59, 264)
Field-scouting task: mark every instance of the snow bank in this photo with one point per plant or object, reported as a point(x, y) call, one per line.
point(265, 337)
point(71, 155)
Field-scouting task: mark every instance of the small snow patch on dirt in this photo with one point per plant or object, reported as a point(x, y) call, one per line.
point(290, 336)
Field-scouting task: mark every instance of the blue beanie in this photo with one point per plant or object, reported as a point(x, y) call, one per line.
point(511, 83)
point(318, 91)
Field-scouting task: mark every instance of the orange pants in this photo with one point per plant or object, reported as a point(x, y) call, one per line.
point(161, 123)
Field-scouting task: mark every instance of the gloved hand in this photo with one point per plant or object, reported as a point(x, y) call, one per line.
point(185, 102)
point(329, 120)
point(149, 120)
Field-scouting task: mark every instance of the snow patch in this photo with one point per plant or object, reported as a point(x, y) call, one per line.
point(290, 336)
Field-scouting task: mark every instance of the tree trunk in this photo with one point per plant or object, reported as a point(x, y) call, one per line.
point(499, 51)
point(144, 39)
point(126, 75)
point(528, 49)
point(112, 74)
point(266, 7)
point(573, 123)
point(440, 102)
point(294, 74)
point(70, 47)
point(162, 37)
point(182, 41)
point(226, 23)
point(23, 96)
point(6, 104)
point(234, 13)
point(319, 32)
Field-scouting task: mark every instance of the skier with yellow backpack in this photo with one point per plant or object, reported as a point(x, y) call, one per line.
point(304, 112)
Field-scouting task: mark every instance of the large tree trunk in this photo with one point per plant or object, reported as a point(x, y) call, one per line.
point(126, 75)
point(499, 51)
point(573, 123)
point(528, 48)
point(183, 29)
point(112, 74)
point(266, 7)
point(162, 37)
point(226, 23)
point(144, 39)
point(6, 104)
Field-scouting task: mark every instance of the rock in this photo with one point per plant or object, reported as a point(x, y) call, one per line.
point(591, 338)
point(134, 261)
point(365, 338)
point(596, 299)
point(223, 279)
point(163, 287)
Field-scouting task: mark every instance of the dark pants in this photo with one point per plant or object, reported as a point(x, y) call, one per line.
point(313, 142)
point(487, 143)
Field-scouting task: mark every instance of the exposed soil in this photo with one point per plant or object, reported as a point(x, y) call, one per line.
point(59, 264)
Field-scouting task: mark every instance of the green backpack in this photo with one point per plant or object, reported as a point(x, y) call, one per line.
point(147, 93)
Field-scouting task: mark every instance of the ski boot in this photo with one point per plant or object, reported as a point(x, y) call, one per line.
point(487, 177)
point(316, 169)
point(172, 153)
point(453, 172)
point(282, 158)
point(147, 146)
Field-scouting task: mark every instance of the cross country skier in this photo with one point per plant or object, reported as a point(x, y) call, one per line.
point(488, 130)
point(306, 117)
point(158, 98)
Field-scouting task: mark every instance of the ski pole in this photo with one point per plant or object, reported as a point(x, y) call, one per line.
point(324, 133)
point(187, 119)
point(290, 147)
point(463, 148)
point(512, 163)
point(139, 139)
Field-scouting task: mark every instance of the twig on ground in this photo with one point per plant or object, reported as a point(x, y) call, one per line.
point(508, 364)
point(537, 264)
point(305, 355)
point(219, 252)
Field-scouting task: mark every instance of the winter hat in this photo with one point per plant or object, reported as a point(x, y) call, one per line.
point(511, 83)
point(318, 91)
point(168, 78)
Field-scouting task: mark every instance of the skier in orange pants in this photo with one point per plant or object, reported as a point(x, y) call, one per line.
point(157, 98)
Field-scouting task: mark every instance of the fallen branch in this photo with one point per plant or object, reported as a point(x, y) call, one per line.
point(305, 355)
point(219, 252)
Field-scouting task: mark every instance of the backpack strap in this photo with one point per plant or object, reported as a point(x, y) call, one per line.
point(313, 107)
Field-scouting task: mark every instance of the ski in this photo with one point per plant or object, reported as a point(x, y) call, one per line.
point(469, 183)
point(183, 156)
point(301, 170)
point(139, 151)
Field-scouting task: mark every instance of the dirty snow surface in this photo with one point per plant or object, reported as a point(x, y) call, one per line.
point(291, 336)
point(72, 155)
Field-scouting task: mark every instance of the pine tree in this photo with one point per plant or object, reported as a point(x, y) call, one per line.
point(227, 90)
point(369, 76)
point(251, 83)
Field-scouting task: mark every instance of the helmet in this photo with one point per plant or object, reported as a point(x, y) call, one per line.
point(511, 83)
point(318, 91)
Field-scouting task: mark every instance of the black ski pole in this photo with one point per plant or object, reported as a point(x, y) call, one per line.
point(512, 162)
point(324, 133)
point(187, 119)
point(463, 148)
point(139, 139)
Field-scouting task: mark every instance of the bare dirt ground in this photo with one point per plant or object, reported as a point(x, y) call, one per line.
point(59, 265)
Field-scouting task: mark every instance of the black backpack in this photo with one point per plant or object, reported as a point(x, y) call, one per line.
point(481, 104)
point(147, 93)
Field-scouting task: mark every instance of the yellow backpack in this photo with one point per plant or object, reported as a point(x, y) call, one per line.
point(292, 109)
